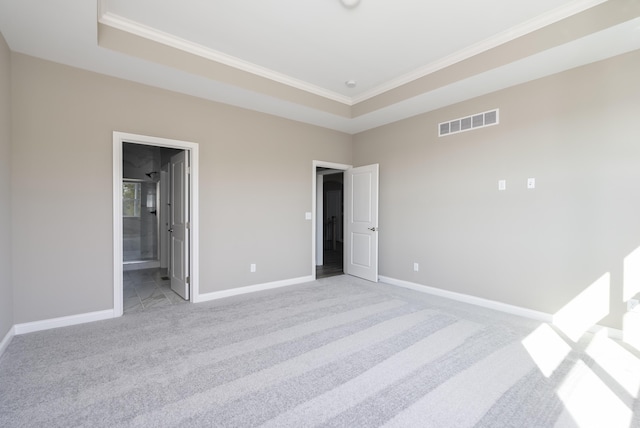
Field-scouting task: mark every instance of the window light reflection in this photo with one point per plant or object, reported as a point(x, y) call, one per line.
point(620, 364)
point(546, 348)
point(585, 310)
point(590, 402)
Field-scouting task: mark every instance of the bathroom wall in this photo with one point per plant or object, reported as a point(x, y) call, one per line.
point(140, 231)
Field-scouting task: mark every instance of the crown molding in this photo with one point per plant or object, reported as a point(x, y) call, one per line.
point(118, 22)
point(141, 30)
point(506, 36)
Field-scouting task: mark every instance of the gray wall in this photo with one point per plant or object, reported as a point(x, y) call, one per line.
point(255, 185)
point(577, 133)
point(6, 287)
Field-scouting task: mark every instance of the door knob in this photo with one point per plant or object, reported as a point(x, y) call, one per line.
point(373, 229)
point(170, 230)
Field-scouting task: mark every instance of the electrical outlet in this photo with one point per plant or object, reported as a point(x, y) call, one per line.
point(632, 305)
point(531, 183)
point(252, 268)
point(416, 267)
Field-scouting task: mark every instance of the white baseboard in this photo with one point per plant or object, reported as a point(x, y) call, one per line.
point(251, 289)
point(30, 327)
point(149, 264)
point(613, 333)
point(7, 340)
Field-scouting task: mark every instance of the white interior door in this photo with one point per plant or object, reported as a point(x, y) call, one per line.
point(179, 217)
point(361, 255)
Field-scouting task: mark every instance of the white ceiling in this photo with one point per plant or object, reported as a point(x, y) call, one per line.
point(313, 45)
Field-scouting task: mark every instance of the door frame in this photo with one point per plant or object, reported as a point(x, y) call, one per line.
point(314, 196)
point(119, 138)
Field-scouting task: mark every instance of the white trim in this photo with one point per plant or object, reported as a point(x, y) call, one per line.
point(118, 304)
point(252, 288)
point(466, 298)
point(141, 30)
point(48, 324)
point(322, 164)
point(149, 33)
point(319, 244)
point(614, 333)
point(149, 264)
point(7, 339)
point(506, 36)
point(194, 269)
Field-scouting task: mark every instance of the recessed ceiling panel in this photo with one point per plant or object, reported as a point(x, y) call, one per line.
point(323, 43)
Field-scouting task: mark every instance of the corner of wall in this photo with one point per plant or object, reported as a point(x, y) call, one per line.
point(6, 272)
point(6, 340)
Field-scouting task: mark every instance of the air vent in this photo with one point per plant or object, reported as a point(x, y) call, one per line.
point(475, 121)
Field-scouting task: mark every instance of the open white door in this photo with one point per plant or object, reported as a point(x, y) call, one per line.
point(179, 218)
point(361, 255)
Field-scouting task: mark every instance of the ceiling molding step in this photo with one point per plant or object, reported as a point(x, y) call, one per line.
point(593, 20)
point(213, 72)
point(558, 14)
point(511, 34)
point(129, 26)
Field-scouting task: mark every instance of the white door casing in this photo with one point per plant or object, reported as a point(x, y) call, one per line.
point(319, 214)
point(361, 191)
point(179, 217)
point(119, 138)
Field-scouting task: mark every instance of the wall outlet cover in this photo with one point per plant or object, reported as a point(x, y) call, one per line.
point(531, 183)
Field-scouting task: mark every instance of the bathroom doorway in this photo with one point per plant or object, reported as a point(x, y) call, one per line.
point(155, 222)
point(145, 226)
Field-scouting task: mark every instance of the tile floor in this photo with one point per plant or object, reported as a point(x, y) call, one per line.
point(144, 289)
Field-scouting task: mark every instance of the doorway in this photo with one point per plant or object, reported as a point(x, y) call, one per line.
point(330, 218)
point(146, 221)
point(152, 240)
point(360, 218)
point(327, 258)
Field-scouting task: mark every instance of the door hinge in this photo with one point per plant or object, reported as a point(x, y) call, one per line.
point(188, 225)
point(188, 280)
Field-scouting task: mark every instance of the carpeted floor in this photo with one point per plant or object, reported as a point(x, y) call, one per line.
point(337, 352)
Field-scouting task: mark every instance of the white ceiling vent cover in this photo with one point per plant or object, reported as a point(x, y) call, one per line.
point(475, 121)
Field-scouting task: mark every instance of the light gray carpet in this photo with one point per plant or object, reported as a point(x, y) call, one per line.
point(338, 352)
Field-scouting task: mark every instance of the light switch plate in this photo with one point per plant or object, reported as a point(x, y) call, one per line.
point(531, 183)
point(502, 184)
point(307, 216)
